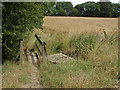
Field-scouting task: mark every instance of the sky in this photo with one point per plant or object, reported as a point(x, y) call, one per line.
point(75, 2)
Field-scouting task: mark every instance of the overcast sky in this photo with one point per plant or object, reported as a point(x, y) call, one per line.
point(75, 2)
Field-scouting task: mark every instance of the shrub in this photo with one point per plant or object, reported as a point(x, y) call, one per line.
point(18, 18)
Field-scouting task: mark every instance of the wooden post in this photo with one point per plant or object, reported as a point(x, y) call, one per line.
point(44, 50)
point(21, 52)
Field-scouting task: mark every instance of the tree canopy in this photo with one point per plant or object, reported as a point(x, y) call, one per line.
point(100, 9)
point(87, 9)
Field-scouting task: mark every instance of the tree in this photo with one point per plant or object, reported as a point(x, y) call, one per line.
point(100, 9)
point(116, 10)
point(61, 12)
point(81, 9)
point(66, 6)
point(17, 19)
point(74, 12)
point(106, 9)
point(49, 8)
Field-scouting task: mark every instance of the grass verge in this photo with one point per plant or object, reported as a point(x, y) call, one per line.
point(14, 76)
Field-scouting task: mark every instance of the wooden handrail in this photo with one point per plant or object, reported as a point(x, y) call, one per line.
point(38, 48)
point(43, 53)
point(38, 39)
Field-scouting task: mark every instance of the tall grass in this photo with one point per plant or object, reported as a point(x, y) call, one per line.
point(96, 64)
point(15, 76)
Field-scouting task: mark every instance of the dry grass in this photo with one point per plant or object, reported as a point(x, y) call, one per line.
point(80, 24)
point(15, 76)
point(99, 69)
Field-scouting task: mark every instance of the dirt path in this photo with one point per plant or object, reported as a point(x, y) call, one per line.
point(34, 78)
point(35, 81)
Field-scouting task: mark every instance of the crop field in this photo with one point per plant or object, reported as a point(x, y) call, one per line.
point(80, 24)
point(92, 42)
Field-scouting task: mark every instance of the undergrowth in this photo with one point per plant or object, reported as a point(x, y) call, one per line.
point(95, 66)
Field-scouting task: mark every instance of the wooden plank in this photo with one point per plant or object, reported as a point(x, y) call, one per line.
point(38, 39)
point(38, 48)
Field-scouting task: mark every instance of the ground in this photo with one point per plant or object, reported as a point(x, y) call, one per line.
point(34, 78)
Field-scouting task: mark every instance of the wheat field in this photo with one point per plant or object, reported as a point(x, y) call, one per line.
point(80, 24)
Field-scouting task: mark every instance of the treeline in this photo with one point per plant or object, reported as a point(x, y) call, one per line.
point(87, 9)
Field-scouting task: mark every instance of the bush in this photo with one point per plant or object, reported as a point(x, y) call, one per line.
point(17, 19)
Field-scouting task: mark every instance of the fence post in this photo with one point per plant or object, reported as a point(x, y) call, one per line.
point(44, 50)
point(21, 51)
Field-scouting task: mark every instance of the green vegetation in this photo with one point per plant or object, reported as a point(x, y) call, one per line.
point(94, 69)
point(56, 75)
point(79, 74)
point(87, 9)
point(79, 45)
point(96, 56)
point(18, 19)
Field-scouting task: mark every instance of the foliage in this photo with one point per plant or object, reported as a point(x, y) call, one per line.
point(18, 18)
point(100, 9)
point(49, 8)
point(106, 9)
point(67, 6)
point(74, 12)
point(61, 12)
point(87, 9)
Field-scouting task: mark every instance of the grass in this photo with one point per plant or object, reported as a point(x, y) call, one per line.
point(94, 46)
point(56, 75)
point(91, 41)
point(99, 69)
point(80, 25)
point(14, 76)
point(79, 74)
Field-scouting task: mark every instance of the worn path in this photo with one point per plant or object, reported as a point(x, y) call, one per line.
point(34, 78)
